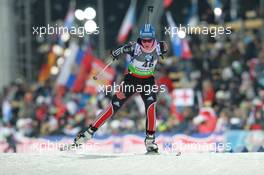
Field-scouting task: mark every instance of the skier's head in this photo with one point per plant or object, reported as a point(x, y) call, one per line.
point(147, 36)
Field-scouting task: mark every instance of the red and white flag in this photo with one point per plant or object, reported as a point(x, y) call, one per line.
point(106, 78)
point(186, 51)
point(183, 97)
point(127, 23)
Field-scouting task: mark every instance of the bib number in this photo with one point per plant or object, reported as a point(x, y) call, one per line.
point(148, 64)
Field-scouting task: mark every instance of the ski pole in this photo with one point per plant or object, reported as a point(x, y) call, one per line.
point(150, 10)
point(102, 71)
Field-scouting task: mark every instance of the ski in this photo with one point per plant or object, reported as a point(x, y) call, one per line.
point(69, 147)
point(159, 153)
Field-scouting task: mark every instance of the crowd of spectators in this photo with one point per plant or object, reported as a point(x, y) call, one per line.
point(228, 74)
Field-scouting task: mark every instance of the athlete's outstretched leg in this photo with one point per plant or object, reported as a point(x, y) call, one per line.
point(150, 106)
point(117, 101)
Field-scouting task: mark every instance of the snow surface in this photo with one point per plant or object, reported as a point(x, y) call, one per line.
point(125, 164)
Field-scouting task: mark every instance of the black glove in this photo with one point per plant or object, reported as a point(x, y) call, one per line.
point(116, 52)
point(127, 48)
point(163, 47)
point(122, 49)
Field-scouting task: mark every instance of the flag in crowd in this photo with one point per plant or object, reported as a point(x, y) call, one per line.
point(180, 46)
point(45, 70)
point(127, 23)
point(66, 69)
point(106, 77)
point(183, 97)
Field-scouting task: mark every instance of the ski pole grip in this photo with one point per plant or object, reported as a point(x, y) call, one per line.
point(150, 8)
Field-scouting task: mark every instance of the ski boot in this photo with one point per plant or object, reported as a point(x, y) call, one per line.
point(81, 138)
point(84, 136)
point(150, 144)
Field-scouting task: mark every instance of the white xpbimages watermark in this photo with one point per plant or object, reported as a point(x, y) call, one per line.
point(212, 31)
point(80, 31)
point(146, 89)
point(197, 147)
point(51, 146)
